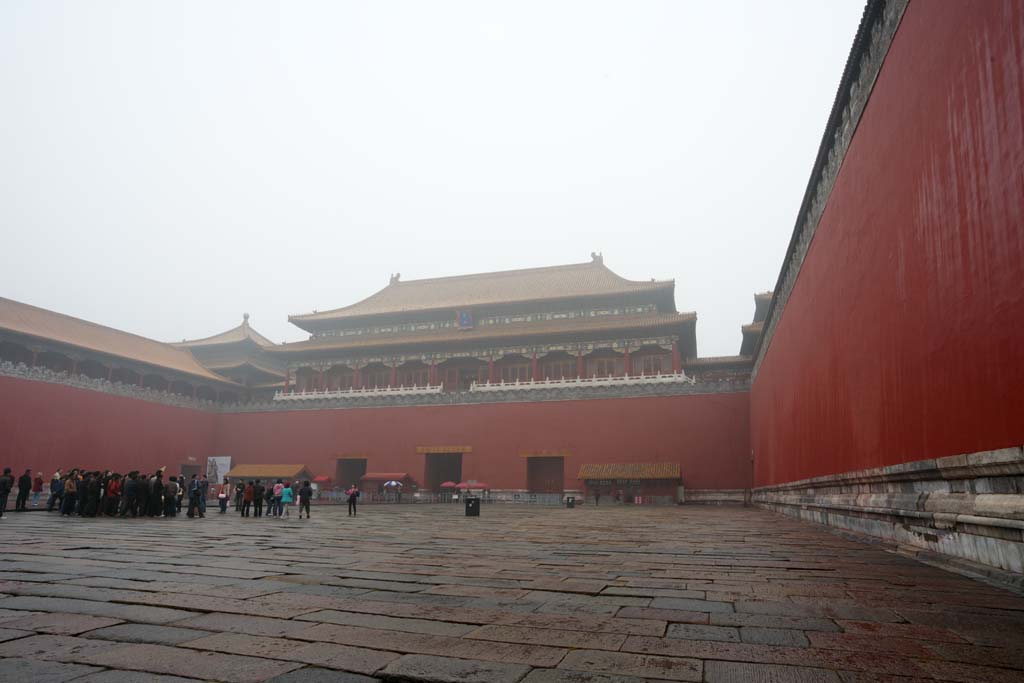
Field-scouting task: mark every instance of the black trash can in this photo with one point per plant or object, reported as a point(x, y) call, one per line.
point(570, 501)
point(472, 507)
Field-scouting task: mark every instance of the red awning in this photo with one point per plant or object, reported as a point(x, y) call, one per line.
point(321, 480)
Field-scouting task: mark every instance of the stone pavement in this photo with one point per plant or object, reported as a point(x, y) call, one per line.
point(519, 594)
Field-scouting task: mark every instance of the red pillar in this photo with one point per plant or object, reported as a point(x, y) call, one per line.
point(677, 362)
point(110, 373)
point(74, 367)
point(35, 355)
point(581, 370)
point(357, 379)
point(490, 371)
point(627, 366)
point(432, 378)
point(141, 379)
point(394, 376)
point(534, 368)
point(287, 379)
point(320, 380)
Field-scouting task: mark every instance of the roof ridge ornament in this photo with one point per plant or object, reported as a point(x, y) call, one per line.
point(597, 257)
point(395, 278)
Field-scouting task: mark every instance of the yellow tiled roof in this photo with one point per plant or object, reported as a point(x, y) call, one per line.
point(232, 336)
point(65, 329)
point(509, 286)
point(646, 470)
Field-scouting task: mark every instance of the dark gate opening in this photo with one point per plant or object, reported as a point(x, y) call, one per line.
point(545, 475)
point(442, 467)
point(189, 470)
point(349, 471)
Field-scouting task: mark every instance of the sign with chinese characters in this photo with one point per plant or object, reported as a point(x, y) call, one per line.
point(465, 319)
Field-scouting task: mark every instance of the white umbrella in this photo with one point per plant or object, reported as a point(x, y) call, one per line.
point(392, 483)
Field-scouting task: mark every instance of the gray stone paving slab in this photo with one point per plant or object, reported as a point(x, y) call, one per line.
point(160, 659)
point(703, 632)
point(440, 628)
point(644, 666)
point(448, 670)
point(12, 634)
point(18, 670)
point(53, 648)
point(566, 676)
point(60, 623)
point(736, 672)
point(237, 623)
point(312, 674)
point(155, 634)
point(773, 636)
point(95, 608)
point(353, 659)
point(113, 676)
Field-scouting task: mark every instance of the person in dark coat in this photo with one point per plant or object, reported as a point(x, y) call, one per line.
point(70, 501)
point(204, 493)
point(257, 498)
point(24, 489)
point(156, 494)
point(171, 498)
point(92, 495)
point(56, 492)
point(143, 494)
point(353, 498)
point(6, 483)
point(131, 495)
point(305, 496)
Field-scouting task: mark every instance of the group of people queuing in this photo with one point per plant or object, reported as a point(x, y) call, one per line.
point(27, 486)
point(85, 493)
point(249, 497)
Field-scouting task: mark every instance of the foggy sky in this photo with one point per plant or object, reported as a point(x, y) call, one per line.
point(167, 166)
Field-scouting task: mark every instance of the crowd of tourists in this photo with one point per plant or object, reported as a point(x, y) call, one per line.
point(249, 497)
point(84, 493)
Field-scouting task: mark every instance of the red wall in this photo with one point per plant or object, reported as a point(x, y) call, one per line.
point(903, 338)
point(48, 426)
point(707, 434)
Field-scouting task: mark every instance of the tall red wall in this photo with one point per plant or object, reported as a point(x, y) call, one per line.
point(708, 434)
point(47, 426)
point(903, 338)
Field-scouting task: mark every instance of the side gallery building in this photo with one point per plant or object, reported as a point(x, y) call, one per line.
point(877, 388)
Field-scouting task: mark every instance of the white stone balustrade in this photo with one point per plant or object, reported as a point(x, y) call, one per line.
point(624, 381)
point(357, 393)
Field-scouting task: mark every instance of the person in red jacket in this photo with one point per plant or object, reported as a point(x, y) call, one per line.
point(113, 496)
point(37, 489)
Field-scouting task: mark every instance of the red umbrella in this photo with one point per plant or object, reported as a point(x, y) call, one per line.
point(474, 485)
point(449, 485)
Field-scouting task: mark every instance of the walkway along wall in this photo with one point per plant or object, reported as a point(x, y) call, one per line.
point(895, 343)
